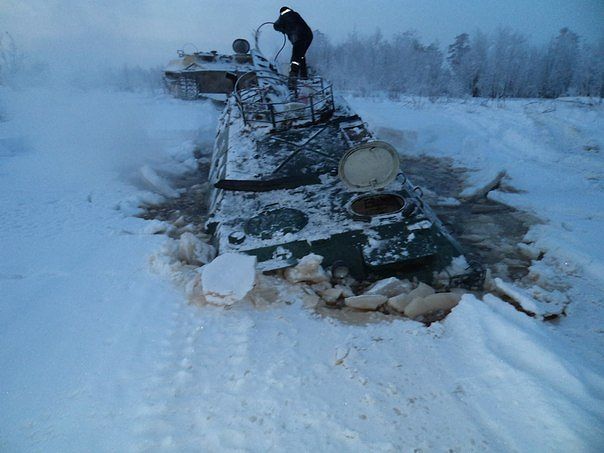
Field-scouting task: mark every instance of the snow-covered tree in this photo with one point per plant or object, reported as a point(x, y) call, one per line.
point(588, 78)
point(459, 62)
point(11, 59)
point(500, 64)
point(559, 64)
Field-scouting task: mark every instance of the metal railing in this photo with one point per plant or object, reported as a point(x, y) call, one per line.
point(270, 101)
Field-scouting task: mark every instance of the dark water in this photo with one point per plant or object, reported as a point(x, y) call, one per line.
point(487, 230)
point(191, 206)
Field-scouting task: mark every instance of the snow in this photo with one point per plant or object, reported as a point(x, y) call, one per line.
point(545, 147)
point(80, 313)
point(228, 278)
point(101, 354)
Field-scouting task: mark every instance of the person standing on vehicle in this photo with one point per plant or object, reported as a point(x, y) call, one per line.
point(300, 35)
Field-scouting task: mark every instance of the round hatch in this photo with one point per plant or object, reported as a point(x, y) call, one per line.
point(241, 46)
point(372, 165)
point(276, 222)
point(371, 205)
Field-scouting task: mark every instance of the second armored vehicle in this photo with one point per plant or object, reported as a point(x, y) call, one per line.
point(210, 74)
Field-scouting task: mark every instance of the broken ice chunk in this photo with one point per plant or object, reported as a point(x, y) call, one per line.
point(191, 250)
point(330, 295)
point(458, 266)
point(365, 302)
point(519, 295)
point(157, 183)
point(399, 302)
point(157, 227)
point(228, 278)
point(308, 269)
point(554, 306)
point(423, 225)
point(483, 184)
point(447, 201)
point(193, 289)
point(429, 304)
point(530, 251)
point(389, 287)
point(402, 300)
point(265, 291)
point(180, 222)
point(346, 290)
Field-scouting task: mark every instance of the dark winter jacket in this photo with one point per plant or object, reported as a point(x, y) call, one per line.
point(292, 24)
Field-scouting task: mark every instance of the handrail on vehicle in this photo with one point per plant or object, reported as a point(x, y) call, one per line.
point(255, 108)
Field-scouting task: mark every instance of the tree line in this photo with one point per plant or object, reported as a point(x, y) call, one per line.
point(11, 60)
point(502, 64)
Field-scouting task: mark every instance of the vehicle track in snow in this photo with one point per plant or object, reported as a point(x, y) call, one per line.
point(199, 384)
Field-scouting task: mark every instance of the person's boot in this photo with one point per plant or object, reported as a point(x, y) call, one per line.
point(303, 69)
point(292, 81)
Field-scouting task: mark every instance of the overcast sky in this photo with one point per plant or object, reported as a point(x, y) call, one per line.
point(148, 32)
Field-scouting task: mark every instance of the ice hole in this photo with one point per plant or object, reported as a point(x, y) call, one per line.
point(380, 204)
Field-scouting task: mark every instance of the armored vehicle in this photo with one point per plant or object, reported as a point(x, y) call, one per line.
point(298, 172)
point(210, 74)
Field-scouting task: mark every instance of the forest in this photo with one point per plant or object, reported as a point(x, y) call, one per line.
point(503, 64)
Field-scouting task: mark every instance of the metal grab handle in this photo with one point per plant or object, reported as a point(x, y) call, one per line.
point(403, 178)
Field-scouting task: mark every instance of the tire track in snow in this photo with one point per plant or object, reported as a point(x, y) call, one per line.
point(151, 427)
point(199, 383)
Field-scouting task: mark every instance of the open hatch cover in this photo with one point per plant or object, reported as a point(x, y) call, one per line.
point(371, 165)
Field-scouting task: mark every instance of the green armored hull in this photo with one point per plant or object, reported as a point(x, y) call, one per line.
point(300, 173)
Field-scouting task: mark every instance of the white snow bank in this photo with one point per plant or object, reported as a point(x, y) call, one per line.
point(228, 279)
point(102, 355)
point(520, 352)
point(82, 330)
point(550, 151)
point(481, 183)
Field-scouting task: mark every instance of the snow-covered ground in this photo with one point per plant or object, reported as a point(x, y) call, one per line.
point(100, 354)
